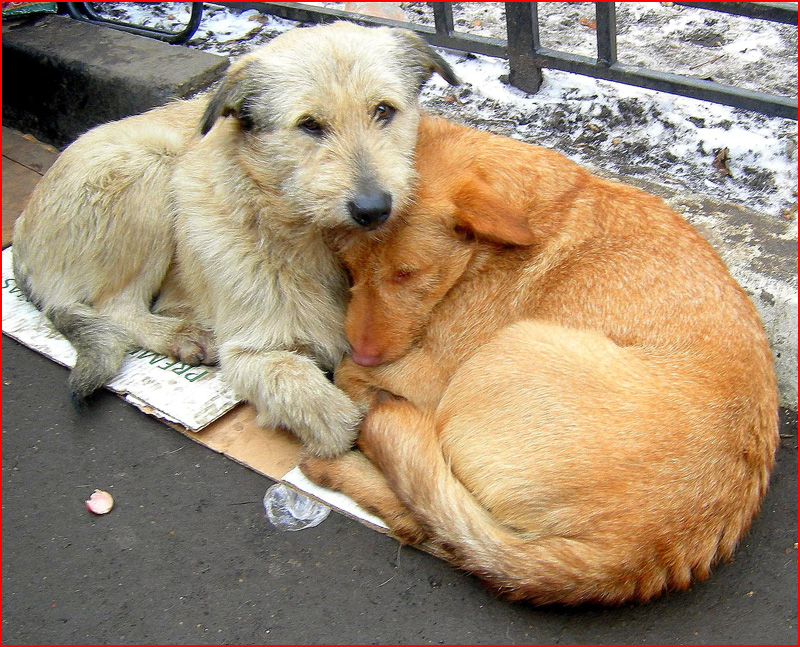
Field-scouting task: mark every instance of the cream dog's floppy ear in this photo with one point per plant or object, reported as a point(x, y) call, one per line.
point(422, 59)
point(482, 212)
point(229, 99)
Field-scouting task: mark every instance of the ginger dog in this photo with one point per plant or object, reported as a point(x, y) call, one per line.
point(199, 229)
point(583, 406)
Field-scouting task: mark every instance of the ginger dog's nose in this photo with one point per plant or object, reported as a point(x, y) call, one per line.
point(366, 358)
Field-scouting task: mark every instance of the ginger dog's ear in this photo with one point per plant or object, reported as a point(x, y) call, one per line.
point(482, 212)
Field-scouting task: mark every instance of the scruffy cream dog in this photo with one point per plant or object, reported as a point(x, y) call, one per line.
point(199, 229)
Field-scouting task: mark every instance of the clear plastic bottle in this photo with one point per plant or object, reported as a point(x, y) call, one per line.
point(288, 509)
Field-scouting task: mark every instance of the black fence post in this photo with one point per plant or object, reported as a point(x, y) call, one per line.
point(522, 26)
point(443, 17)
point(605, 14)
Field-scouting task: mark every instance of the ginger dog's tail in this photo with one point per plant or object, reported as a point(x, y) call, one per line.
point(516, 564)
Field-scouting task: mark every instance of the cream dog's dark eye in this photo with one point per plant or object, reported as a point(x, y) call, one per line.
point(311, 126)
point(383, 112)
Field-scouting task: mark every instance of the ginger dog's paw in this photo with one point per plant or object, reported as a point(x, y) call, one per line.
point(406, 529)
point(354, 476)
point(321, 471)
point(357, 382)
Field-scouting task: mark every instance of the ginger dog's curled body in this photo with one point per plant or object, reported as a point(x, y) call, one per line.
point(585, 405)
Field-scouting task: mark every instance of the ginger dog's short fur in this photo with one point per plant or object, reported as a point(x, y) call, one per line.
point(199, 229)
point(584, 406)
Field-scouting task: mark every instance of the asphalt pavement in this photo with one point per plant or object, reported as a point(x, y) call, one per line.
point(187, 556)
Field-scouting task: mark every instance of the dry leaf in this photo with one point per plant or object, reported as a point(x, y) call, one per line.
point(721, 161)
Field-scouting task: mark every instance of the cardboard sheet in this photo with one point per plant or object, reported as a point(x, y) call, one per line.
point(192, 400)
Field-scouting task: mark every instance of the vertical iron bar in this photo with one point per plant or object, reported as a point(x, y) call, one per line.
point(443, 17)
point(606, 19)
point(522, 26)
point(537, 43)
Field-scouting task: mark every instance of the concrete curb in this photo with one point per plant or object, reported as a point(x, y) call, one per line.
point(62, 77)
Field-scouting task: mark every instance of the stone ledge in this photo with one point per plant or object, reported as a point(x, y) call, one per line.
point(62, 77)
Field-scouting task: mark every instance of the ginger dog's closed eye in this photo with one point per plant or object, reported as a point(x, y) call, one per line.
point(585, 405)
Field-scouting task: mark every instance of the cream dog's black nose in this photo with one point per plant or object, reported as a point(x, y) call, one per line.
point(370, 209)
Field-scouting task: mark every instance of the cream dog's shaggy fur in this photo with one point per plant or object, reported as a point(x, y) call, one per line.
point(199, 229)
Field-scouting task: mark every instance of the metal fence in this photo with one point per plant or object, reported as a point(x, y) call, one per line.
point(527, 57)
point(85, 12)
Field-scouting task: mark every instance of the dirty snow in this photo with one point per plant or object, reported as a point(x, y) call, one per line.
point(656, 137)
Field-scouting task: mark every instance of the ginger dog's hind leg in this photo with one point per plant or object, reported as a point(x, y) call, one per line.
point(354, 475)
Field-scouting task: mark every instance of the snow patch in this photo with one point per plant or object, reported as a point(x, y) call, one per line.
point(656, 137)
